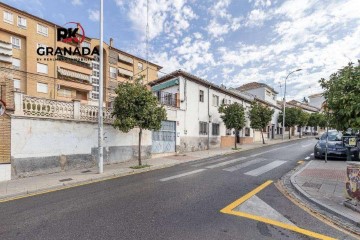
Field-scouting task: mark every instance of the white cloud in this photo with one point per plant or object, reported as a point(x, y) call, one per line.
point(94, 15)
point(76, 2)
point(216, 29)
point(256, 18)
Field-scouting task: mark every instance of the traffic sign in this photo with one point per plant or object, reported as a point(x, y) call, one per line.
point(350, 141)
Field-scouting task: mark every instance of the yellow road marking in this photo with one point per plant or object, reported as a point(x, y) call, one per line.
point(229, 210)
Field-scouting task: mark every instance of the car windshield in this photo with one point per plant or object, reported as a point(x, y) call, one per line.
point(333, 136)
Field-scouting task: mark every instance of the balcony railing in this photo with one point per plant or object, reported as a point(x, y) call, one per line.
point(168, 99)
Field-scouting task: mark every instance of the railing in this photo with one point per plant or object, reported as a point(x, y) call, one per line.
point(91, 113)
point(41, 107)
point(168, 99)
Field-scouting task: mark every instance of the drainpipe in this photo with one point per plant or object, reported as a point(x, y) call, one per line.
point(208, 143)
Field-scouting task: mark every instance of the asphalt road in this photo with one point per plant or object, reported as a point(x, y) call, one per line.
point(180, 202)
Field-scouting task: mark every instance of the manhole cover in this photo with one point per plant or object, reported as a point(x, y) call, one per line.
point(86, 171)
point(65, 179)
point(312, 185)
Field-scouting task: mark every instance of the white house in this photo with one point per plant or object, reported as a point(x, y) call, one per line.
point(194, 122)
point(316, 100)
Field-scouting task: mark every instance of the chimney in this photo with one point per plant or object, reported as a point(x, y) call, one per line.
point(111, 42)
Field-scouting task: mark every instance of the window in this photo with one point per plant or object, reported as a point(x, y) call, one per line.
point(95, 74)
point(16, 83)
point(215, 129)
point(268, 93)
point(8, 17)
point(273, 96)
point(22, 22)
point(85, 44)
point(229, 102)
point(203, 128)
point(96, 66)
point(113, 72)
point(247, 132)
point(16, 42)
point(201, 96)
point(16, 63)
point(42, 87)
point(95, 80)
point(64, 93)
point(140, 66)
point(42, 68)
point(96, 88)
point(95, 96)
point(215, 100)
point(42, 30)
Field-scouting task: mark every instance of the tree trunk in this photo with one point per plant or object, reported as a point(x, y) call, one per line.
point(289, 132)
point(236, 134)
point(139, 156)
point(262, 135)
point(300, 133)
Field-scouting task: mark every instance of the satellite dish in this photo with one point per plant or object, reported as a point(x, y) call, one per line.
point(2, 108)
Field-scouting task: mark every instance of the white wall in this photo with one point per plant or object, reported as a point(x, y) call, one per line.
point(35, 137)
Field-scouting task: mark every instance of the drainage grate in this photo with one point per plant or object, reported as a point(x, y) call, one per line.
point(86, 171)
point(312, 185)
point(65, 180)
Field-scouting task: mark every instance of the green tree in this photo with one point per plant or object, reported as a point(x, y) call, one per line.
point(260, 116)
point(136, 106)
point(315, 120)
point(342, 96)
point(233, 116)
point(291, 118)
point(303, 118)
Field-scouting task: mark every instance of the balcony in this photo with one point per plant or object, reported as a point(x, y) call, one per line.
point(5, 52)
point(168, 99)
point(125, 59)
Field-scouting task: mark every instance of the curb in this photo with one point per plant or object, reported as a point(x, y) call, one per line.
point(64, 186)
point(321, 205)
point(79, 183)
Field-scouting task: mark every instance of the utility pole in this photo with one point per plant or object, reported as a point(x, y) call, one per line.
point(284, 104)
point(101, 93)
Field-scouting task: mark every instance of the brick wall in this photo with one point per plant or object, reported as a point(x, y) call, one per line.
point(7, 96)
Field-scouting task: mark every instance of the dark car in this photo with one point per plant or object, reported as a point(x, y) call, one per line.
point(335, 147)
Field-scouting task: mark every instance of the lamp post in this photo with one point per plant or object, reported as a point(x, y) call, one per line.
point(100, 108)
point(284, 103)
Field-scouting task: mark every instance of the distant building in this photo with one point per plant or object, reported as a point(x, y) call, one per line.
point(264, 94)
point(316, 100)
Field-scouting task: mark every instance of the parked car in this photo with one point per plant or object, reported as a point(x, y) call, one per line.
point(335, 147)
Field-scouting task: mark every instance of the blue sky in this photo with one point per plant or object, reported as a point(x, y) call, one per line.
point(228, 42)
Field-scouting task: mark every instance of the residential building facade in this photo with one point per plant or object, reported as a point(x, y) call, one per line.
point(266, 95)
point(194, 121)
point(68, 77)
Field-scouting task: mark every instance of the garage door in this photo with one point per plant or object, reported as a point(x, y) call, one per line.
point(164, 141)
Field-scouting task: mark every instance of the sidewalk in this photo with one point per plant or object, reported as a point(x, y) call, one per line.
point(324, 184)
point(52, 182)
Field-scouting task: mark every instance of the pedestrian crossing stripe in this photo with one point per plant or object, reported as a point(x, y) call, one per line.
point(230, 209)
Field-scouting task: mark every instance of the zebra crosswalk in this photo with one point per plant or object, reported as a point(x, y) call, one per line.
point(260, 166)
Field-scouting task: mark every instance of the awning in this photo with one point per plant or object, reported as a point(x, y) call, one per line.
point(166, 84)
point(126, 72)
point(126, 59)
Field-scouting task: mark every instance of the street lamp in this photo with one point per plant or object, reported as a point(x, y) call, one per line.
point(284, 102)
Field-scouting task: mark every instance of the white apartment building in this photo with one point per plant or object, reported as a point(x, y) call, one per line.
point(194, 122)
